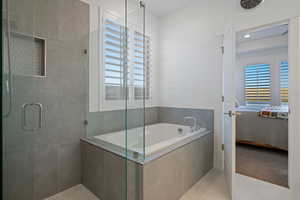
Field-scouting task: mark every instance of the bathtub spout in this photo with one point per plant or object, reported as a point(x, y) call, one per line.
point(194, 126)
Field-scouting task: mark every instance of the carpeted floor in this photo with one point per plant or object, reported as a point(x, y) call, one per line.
point(261, 163)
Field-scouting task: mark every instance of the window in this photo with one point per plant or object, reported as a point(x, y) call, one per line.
point(114, 48)
point(138, 63)
point(284, 83)
point(141, 72)
point(258, 84)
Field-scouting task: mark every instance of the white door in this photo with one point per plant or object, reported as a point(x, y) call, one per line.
point(228, 107)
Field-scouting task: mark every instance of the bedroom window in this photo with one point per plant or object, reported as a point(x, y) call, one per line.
point(258, 84)
point(141, 66)
point(284, 83)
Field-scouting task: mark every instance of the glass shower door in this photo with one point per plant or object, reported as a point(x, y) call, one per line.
point(115, 118)
point(135, 101)
point(44, 99)
point(21, 111)
point(45, 104)
point(137, 90)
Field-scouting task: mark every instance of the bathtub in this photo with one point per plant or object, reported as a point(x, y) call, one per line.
point(159, 139)
point(175, 159)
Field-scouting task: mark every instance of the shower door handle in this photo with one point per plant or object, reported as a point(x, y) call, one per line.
point(24, 120)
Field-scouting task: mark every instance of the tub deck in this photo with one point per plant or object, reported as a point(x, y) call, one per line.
point(159, 139)
point(111, 176)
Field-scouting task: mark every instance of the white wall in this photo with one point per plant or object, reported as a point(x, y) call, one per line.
point(262, 44)
point(190, 60)
point(269, 12)
point(190, 74)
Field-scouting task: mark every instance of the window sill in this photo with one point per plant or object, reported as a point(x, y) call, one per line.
point(121, 105)
point(259, 108)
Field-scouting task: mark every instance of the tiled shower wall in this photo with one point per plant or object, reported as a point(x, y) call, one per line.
point(41, 163)
point(110, 121)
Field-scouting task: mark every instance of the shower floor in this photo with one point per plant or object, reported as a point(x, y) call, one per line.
point(78, 192)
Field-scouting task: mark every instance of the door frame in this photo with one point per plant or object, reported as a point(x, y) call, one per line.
point(229, 178)
point(255, 187)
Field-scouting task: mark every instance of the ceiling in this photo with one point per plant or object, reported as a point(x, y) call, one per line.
point(163, 7)
point(272, 31)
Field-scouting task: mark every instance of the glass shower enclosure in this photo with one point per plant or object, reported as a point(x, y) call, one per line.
point(116, 117)
point(71, 70)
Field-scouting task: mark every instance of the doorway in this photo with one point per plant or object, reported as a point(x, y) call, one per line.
point(261, 103)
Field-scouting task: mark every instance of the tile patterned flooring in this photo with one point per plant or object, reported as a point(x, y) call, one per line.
point(78, 192)
point(211, 187)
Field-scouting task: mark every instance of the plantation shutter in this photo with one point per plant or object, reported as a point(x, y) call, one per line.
point(141, 66)
point(114, 51)
point(284, 82)
point(258, 84)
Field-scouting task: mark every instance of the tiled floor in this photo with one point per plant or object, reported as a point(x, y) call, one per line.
point(78, 192)
point(210, 187)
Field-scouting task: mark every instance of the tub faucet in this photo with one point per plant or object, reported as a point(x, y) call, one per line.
point(194, 126)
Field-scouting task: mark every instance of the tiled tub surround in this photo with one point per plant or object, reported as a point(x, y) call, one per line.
point(167, 177)
point(158, 140)
point(166, 173)
point(174, 115)
point(112, 121)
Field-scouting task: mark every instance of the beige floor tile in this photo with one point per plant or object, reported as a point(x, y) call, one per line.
point(78, 192)
point(210, 187)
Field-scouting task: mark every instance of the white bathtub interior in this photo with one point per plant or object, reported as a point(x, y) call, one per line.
point(159, 139)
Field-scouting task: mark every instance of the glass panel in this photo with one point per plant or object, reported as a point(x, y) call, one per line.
point(135, 114)
point(115, 118)
point(56, 134)
point(108, 91)
point(18, 91)
point(44, 120)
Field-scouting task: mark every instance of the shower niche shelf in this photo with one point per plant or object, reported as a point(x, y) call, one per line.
point(28, 55)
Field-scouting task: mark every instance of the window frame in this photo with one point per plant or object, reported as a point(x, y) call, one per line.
point(132, 103)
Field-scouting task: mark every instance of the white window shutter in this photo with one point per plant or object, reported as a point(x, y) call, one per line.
point(258, 84)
